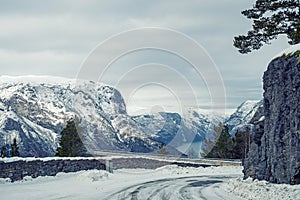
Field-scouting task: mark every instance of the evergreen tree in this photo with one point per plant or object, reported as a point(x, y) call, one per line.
point(70, 143)
point(241, 143)
point(224, 145)
point(271, 18)
point(14, 148)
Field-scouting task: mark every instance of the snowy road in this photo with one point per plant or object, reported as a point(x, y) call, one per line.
point(168, 182)
point(192, 187)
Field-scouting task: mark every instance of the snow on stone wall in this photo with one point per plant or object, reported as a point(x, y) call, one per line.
point(18, 169)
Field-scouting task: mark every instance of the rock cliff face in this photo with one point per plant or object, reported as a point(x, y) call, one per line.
point(275, 142)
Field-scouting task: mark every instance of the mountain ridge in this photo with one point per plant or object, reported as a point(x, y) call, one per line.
point(35, 109)
point(241, 118)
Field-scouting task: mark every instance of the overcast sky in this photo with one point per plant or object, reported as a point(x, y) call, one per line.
point(55, 37)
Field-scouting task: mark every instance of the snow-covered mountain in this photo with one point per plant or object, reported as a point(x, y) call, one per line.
point(186, 133)
point(242, 116)
point(35, 109)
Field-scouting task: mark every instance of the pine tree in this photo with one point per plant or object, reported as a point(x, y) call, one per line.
point(271, 18)
point(224, 145)
point(241, 143)
point(14, 148)
point(71, 144)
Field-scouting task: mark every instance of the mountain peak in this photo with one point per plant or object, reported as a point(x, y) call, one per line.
point(243, 115)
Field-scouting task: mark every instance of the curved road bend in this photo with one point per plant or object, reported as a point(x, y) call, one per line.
point(191, 187)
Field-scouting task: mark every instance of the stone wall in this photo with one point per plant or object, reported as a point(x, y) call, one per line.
point(275, 143)
point(18, 169)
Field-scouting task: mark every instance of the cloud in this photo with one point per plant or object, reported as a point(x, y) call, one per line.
point(39, 63)
point(54, 37)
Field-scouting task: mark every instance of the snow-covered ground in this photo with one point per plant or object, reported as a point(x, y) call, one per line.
point(262, 190)
point(169, 182)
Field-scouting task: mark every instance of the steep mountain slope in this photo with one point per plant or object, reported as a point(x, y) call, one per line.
point(242, 116)
point(187, 133)
point(35, 110)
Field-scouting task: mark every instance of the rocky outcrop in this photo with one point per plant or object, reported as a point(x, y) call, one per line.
point(275, 142)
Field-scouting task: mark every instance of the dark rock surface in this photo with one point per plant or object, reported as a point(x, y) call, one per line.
point(275, 142)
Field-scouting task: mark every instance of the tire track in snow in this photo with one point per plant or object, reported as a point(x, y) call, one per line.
point(172, 188)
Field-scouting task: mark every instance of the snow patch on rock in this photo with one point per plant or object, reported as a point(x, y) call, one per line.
point(289, 50)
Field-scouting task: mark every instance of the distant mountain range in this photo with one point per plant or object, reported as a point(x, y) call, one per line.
point(34, 109)
point(242, 116)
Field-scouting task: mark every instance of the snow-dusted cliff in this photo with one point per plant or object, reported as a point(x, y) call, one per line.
point(242, 116)
point(35, 109)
